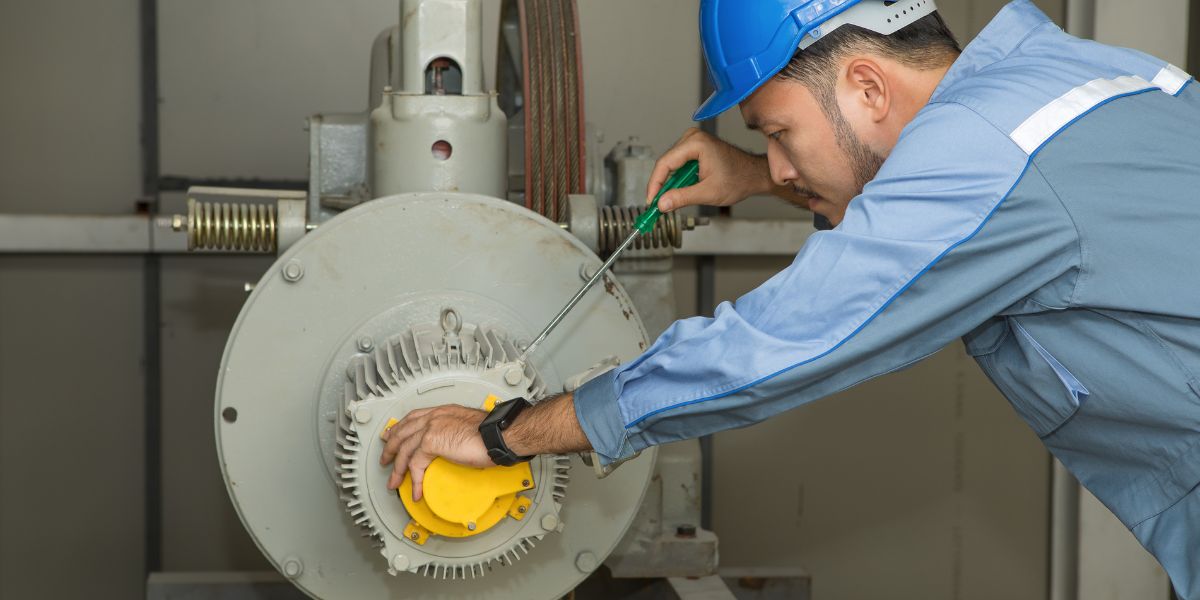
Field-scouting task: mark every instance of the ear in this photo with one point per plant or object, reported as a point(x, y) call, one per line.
point(869, 90)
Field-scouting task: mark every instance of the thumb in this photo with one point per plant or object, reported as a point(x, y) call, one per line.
point(688, 196)
point(670, 201)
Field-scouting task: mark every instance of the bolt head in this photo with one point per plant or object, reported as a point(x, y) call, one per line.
point(414, 536)
point(400, 562)
point(513, 376)
point(586, 562)
point(525, 483)
point(550, 522)
point(293, 271)
point(365, 343)
point(363, 415)
point(471, 525)
point(293, 568)
point(522, 509)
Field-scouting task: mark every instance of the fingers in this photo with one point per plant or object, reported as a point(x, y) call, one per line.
point(404, 455)
point(705, 192)
point(684, 150)
point(412, 423)
point(417, 466)
point(423, 435)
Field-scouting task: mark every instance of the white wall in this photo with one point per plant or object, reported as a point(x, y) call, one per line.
point(1159, 27)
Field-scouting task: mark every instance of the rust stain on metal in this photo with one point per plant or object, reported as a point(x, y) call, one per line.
point(610, 287)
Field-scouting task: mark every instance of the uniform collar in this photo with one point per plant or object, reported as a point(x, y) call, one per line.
point(1015, 22)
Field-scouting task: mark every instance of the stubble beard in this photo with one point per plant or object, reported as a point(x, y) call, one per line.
point(864, 162)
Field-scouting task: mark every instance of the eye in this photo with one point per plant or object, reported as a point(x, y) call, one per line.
point(775, 135)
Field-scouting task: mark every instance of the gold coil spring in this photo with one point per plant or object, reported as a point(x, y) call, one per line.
point(616, 223)
point(242, 227)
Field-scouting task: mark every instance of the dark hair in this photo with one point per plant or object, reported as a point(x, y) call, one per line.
point(924, 44)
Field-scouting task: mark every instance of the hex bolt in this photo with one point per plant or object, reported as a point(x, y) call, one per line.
point(293, 271)
point(550, 522)
point(522, 509)
point(293, 568)
point(365, 343)
point(524, 483)
point(586, 562)
point(400, 562)
point(685, 531)
point(362, 415)
point(470, 525)
point(513, 376)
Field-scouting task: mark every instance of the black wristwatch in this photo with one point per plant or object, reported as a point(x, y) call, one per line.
point(492, 429)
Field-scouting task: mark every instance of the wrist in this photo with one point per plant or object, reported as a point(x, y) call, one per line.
point(495, 425)
point(548, 427)
point(517, 435)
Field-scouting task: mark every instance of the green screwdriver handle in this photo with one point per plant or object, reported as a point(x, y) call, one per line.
point(685, 176)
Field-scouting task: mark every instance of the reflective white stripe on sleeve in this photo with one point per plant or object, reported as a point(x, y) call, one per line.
point(1171, 79)
point(1050, 119)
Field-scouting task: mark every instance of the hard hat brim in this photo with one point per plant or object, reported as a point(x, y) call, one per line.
point(723, 100)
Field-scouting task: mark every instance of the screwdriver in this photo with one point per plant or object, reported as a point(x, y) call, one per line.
point(685, 176)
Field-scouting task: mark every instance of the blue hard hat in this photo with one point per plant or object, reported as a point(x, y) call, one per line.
point(746, 42)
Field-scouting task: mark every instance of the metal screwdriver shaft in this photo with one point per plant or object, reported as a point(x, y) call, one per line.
point(684, 176)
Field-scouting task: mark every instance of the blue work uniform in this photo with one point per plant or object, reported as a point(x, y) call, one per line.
point(1044, 207)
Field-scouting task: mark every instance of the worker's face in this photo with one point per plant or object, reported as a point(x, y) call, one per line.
point(818, 154)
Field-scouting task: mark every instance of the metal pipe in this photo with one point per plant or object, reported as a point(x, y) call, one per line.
point(151, 293)
point(1081, 18)
point(1064, 533)
point(706, 304)
point(1193, 36)
point(182, 183)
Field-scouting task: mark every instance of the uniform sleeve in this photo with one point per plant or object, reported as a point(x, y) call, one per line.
point(957, 226)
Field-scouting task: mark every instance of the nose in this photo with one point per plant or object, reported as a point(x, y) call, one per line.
point(782, 171)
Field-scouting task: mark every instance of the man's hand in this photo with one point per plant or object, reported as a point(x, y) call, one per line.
point(728, 174)
point(451, 432)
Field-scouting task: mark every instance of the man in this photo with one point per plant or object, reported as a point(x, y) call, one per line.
point(1037, 195)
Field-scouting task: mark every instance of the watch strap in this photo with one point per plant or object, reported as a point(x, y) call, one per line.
point(492, 431)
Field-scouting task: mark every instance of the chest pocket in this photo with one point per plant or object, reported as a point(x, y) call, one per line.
point(1041, 389)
